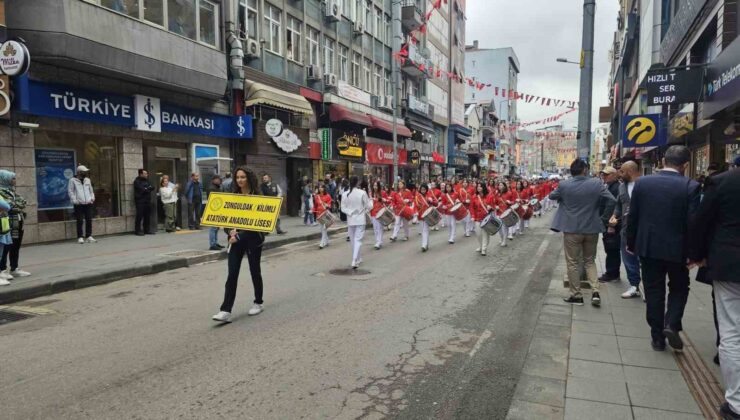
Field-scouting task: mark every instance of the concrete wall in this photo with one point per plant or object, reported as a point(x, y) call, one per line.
point(490, 66)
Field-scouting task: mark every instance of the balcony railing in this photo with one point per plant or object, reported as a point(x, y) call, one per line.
point(411, 13)
point(417, 58)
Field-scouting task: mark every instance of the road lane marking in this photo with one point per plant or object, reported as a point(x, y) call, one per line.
point(483, 337)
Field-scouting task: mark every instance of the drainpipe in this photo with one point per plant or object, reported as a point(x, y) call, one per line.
point(236, 70)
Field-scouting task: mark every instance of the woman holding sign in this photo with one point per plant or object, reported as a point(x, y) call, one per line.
point(355, 204)
point(243, 242)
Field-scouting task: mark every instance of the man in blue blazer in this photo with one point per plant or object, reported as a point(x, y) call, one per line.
point(657, 232)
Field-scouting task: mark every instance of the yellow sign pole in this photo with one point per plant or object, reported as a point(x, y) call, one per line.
point(254, 213)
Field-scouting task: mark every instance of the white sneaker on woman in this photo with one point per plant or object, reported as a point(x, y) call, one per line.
point(80, 240)
point(5, 275)
point(19, 273)
point(4, 282)
point(91, 240)
point(222, 317)
point(256, 309)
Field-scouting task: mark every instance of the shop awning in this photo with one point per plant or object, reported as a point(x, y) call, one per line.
point(419, 124)
point(340, 113)
point(261, 94)
point(383, 125)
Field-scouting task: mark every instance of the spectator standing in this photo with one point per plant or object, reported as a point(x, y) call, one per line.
point(657, 228)
point(82, 196)
point(307, 195)
point(715, 239)
point(194, 195)
point(611, 238)
point(168, 195)
point(271, 189)
point(214, 186)
point(143, 200)
point(630, 173)
point(578, 216)
point(17, 216)
point(5, 238)
point(227, 182)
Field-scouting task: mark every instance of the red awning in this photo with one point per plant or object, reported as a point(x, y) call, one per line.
point(340, 113)
point(384, 125)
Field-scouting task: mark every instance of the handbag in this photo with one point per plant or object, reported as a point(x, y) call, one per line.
point(4, 225)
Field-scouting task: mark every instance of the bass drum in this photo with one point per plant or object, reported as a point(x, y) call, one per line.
point(491, 224)
point(459, 211)
point(432, 217)
point(327, 219)
point(510, 218)
point(406, 213)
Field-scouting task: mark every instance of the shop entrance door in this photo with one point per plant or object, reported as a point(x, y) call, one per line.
point(161, 167)
point(296, 170)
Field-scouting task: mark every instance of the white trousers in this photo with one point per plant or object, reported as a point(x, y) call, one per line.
point(483, 237)
point(424, 234)
point(469, 224)
point(400, 221)
point(378, 231)
point(324, 235)
point(451, 225)
point(727, 297)
point(504, 233)
point(355, 240)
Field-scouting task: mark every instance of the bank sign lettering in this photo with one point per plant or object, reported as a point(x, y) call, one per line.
point(670, 87)
point(140, 112)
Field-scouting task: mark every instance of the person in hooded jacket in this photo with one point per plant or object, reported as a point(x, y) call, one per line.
point(82, 196)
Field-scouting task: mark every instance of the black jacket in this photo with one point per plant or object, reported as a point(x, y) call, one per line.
point(622, 209)
point(660, 210)
point(142, 190)
point(715, 231)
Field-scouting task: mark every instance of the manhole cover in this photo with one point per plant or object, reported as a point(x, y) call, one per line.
point(6, 317)
point(188, 253)
point(348, 272)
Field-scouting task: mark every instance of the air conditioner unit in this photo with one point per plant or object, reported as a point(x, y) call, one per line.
point(330, 80)
point(314, 72)
point(358, 28)
point(251, 49)
point(332, 10)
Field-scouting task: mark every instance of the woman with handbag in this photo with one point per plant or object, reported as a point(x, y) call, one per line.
point(168, 195)
point(5, 238)
point(241, 243)
point(16, 215)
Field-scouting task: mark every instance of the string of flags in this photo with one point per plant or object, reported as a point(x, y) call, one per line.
point(546, 120)
point(403, 57)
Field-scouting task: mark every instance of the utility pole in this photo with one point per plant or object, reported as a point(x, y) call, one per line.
point(587, 80)
point(395, 78)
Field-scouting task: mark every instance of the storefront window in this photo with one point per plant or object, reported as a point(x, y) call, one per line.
point(57, 155)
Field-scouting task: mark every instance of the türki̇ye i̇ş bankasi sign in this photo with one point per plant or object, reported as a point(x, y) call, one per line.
point(244, 212)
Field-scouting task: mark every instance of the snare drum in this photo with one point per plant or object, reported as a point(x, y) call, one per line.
point(407, 213)
point(517, 208)
point(533, 202)
point(385, 216)
point(431, 216)
point(326, 219)
point(491, 224)
point(510, 218)
point(459, 211)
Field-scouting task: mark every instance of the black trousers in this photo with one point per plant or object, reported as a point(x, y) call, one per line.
point(84, 211)
point(195, 212)
point(236, 256)
point(654, 280)
point(142, 215)
point(612, 248)
point(14, 250)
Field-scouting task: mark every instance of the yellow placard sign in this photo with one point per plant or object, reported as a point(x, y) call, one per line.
point(256, 213)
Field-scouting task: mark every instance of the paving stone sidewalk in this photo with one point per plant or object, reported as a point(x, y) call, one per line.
point(596, 363)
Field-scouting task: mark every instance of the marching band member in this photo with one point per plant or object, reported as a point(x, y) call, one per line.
point(355, 204)
point(500, 206)
point(480, 206)
point(465, 196)
point(442, 187)
point(423, 200)
point(510, 198)
point(399, 199)
point(379, 199)
point(449, 199)
point(522, 190)
point(321, 203)
point(437, 193)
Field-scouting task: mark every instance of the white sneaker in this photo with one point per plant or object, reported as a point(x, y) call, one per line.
point(504, 244)
point(630, 293)
point(477, 249)
point(222, 317)
point(19, 273)
point(256, 309)
point(483, 252)
point(4, 282)
point(91, 240)
point(5, 275)
point(511, 237)
point(80, 240)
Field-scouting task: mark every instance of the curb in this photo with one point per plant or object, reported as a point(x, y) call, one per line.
point(73, 282)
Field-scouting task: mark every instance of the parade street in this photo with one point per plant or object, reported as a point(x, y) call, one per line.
point(440, 334)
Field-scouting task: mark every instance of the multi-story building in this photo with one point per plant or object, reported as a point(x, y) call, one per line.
point(458, 133)
point(500, 68)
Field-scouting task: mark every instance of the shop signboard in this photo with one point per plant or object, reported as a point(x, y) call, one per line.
point(349, 145)
point(54, 169)
point(379, 154)
point(668, 87)
point(458, 158)
point(723, 81)
point(148, 113)
point(60, 101)
point(414, 158)
point(287, 141)
point(4, 97)
point(645, 130)
point(347, 91)
point(14, 58)
point(326, 143)
point(273, 127)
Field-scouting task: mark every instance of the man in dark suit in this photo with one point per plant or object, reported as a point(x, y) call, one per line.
point(611, 237)
point(715, 240)
point(657, 232)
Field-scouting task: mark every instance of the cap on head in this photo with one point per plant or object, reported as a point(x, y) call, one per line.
point(609, 170)
point(82, 168)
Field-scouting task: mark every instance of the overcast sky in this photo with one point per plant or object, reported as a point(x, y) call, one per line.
point(541, 31)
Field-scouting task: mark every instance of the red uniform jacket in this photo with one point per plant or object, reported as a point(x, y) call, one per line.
point(448, 200)
point(423, 202)
point(402, 199)
point(525, 194)
point(321, 203)
point(479, 207)
point(499, 204)
point(464, 197)
point(378, 203)
point(510, 197)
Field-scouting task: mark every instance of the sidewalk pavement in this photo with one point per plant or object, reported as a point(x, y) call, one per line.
point(597, 363)
point(62, 266)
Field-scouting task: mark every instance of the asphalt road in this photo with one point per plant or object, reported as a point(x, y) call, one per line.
point(436, 335)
